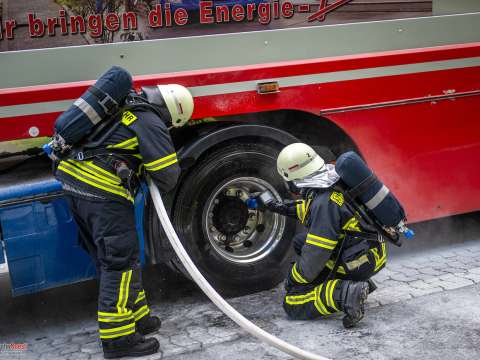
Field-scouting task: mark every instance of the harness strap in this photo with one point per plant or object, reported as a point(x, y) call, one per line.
point(365, 220)
point(108, 104)
point(362, 187)
point(91, 153)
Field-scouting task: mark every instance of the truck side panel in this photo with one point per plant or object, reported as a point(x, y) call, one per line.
point(41, 245)
point(41, 237)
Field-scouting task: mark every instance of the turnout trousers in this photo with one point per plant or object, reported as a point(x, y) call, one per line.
point(107, 231)
point(324, 296)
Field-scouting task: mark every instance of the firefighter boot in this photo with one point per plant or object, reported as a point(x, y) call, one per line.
point(353, 297)
point(148, 324)
point(132, 345)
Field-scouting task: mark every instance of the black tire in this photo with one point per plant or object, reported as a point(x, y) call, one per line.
point(229, 277)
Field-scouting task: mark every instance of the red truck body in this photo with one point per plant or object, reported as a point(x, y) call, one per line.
point(411, 113)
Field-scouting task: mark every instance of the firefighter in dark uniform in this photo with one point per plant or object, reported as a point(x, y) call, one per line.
point(336, 256)
point(102, 205)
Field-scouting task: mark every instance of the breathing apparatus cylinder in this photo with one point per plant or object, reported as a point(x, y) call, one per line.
point(378, 199)
point(99, 102)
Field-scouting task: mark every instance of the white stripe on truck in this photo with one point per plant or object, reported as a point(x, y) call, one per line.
point(288, 81)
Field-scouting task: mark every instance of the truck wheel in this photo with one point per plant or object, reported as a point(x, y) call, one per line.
point(238, 250)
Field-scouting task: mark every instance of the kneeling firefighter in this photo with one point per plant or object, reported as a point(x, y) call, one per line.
point(344, 245)
point(127, 134)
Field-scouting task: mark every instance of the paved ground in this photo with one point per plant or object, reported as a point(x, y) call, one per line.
point(426, 307)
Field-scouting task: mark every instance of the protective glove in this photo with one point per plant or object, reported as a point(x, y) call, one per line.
point(266, 201)
point(252, 203)
point(260, 200)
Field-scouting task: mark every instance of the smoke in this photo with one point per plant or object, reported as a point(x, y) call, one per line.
point(439, 233)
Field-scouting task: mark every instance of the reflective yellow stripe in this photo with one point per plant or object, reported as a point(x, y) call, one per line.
point(299, 211)
point(321, 242)
point(329, 241)
point(380, 264)
point(127, 144)
point(140, 313)
point(140, 297)
point(379, 260)
point(120, 328)
point(330, 295)
point(127, 290)
point(327, 291)
point(123, 293)
point(120, 294)
point(117, 332)
point(94, 181)
point(77, 170)
point(352, 225)
point(300, 299)
point(160, 161)
point(114, 317)
point(315, 243)
point(113, 336)
point(296, 275)
point(102, 313)
point(95, 170)
point(318, 301)
point(160, 167)
point(305, 211)
point(101, 170)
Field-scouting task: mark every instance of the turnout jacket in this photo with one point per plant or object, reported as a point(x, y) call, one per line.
point(140, 130)
point(328, 219)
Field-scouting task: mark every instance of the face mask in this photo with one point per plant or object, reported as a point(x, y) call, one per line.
point(320, 180)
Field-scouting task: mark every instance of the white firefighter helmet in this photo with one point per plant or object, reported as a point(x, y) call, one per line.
point(297, 161)
point(179, 103)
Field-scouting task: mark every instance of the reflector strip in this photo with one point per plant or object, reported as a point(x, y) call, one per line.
point(378, 198)
point(88, 110)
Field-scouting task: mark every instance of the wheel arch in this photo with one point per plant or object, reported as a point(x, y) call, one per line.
point(191, 152)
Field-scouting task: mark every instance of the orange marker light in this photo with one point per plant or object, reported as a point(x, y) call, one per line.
point(271, 87)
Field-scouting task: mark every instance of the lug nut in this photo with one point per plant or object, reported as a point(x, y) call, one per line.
point(236, 238)
point(246, 229)
point(212, 228)
point(216, 201)
point(247, 243)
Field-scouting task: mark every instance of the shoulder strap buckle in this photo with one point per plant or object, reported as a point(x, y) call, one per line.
point(362, 187)
point(108, 104)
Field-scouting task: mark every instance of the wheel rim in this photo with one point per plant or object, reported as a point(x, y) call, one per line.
point(236, 233)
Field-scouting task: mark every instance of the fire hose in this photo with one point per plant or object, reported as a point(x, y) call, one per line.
point(213, 295)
